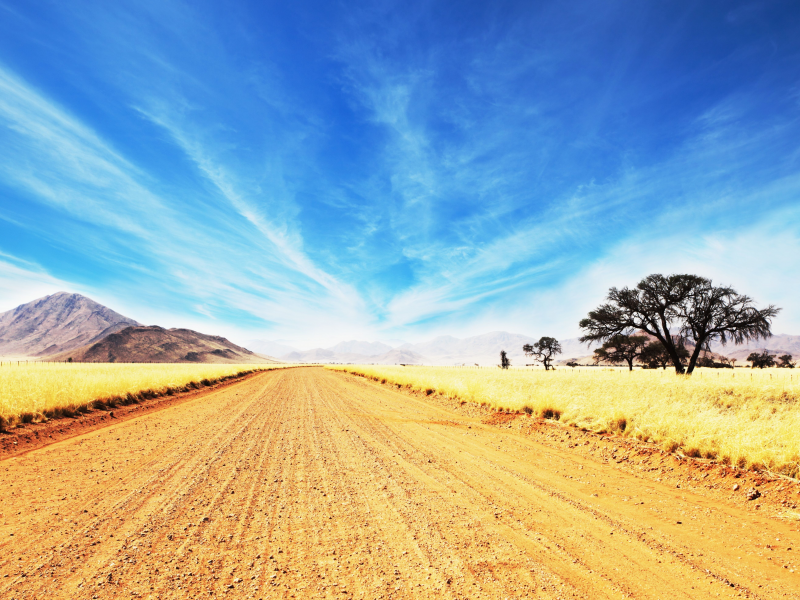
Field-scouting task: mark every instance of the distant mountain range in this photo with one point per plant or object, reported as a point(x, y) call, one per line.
point(480, 349)
point(443, 350)
point(269, 348)
point(156, 344)
point(483, 350)
point(778, 344)
point(70, 326)
point(57, 323)
point(328, 355)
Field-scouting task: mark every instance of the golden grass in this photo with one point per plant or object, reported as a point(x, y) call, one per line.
point(37, 391)
point(748, 418)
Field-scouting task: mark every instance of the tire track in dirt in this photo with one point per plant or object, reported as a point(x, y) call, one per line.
point(307, 483)
point(463, 493)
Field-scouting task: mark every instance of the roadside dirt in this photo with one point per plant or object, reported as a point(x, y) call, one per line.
point(777, 495)
point(310, 484)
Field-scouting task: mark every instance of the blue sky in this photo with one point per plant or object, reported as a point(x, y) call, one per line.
point(320, 171)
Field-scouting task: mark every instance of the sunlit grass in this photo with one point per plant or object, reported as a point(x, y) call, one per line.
point(749, 418)
point(35, 391)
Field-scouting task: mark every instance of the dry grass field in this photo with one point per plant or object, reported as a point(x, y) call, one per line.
point(37, 391)
point(749, 418)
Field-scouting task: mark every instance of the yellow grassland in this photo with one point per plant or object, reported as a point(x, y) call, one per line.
point(36, 391)
point(749, 418)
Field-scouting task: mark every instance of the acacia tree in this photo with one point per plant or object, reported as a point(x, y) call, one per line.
point(544, 350)
point(505, 362)
point(707, 360)
point(691, 305)
point(621, 348)
point(786, 361)
point(759, 361)
point(655, 355)
point(603, 355)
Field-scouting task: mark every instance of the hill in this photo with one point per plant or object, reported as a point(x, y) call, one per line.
point(394, 356)
point(777, 344)
point(365, 348)
point(270, 348)
point(57, 323)
point(315, 355)
point(398, 356)
point(156, 344)
point(479, 349)
point(443, 350)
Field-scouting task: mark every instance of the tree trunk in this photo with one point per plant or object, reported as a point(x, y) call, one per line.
point(693, 360)
point(630, 363)
point(666, 341)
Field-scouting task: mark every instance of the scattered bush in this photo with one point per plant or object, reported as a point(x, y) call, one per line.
point(551, 413)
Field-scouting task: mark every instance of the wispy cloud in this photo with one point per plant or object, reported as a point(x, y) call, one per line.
point(90, 181)
point(483, 197)
point(21, 281)
point(283, 235)
point(404, 169)
point(55, 157)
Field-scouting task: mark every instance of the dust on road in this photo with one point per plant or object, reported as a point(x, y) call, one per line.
point(311, 484)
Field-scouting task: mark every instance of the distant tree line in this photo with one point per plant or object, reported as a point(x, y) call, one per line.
point(543, 351)
point(765, 359)
point(668, 320)
point(678, 310)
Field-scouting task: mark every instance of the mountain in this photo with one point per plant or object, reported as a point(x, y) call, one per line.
point(270, 348)
point(398, 356)
point(55, 324)
point(485, 350)
point(156, 344)
point(394, 356)
point(573, 347)
point(351, 351)
point(365, 348)
point(778, 344)
point(443, 350)
point(315, 355)
point(439, 346)
point(480, 349)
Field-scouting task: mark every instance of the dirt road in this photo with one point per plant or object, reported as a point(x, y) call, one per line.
point(311, 484)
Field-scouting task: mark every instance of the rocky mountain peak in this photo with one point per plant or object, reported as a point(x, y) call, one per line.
point(55, 323)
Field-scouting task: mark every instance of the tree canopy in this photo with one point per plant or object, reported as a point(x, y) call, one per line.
point(676, 309)
point(786, 361)
point(762, 360)
point(621, 348)
point(505, 362)
point(544, 350)
point(655, 355)
point(708, 361)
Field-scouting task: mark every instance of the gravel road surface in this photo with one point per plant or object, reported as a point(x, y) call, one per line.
point(306, 483)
